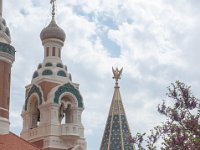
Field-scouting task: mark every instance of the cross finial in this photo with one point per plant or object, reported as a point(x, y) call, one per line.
point(117, 75)
point(53, 8)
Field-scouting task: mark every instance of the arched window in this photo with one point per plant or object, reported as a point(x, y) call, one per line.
point(66, 111)
point(59, 65)
point(47, 51)
point(48, 64)
point(54, 51)
point(61, 73)
point(59, 52)
point(61, 112)
point(34, 113)
point(68, 114)
point(47, 72)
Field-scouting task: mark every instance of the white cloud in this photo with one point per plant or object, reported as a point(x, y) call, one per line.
point(158, 43)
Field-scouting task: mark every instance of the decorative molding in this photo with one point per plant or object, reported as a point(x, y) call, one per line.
point(34, 89)
point(68, 88)
point(6, 48)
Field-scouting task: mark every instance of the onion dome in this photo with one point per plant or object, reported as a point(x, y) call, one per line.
point(52, 31)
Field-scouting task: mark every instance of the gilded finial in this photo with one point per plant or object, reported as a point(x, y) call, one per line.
point(117, 75)
point(53, 8)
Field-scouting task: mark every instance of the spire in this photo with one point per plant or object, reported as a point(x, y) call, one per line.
point(117, 132)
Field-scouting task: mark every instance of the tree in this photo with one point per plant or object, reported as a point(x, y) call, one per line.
point(181, 130)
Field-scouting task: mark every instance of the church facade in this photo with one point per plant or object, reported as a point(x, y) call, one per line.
point(53, 104)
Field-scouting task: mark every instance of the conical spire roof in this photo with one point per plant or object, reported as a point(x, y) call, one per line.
point(117, 132)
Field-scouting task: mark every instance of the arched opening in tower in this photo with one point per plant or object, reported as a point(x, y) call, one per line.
point(34, 113)
point(66, 111)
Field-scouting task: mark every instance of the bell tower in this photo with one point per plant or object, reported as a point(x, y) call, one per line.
point(7, 57)
point(53, 104)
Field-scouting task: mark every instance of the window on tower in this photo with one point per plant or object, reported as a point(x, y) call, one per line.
point(66, 111)
point(59, 52)
point(61, 73)
point(54, 51)
point(65, 114)
point(47, 51)
point(34, 113)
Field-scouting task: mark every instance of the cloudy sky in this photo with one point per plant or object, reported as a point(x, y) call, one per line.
point(157, 42)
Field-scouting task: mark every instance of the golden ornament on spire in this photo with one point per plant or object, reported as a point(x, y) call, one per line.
point(53, 7)
point(117, 74)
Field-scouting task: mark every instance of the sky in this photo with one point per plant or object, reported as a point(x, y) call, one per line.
point(156, 42)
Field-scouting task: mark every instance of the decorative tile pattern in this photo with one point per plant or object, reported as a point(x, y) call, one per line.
point(34, 89)
point(68, 88)
point(7, 49)
point(116, 134)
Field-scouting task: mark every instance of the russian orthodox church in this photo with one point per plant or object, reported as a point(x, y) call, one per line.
point(53, 105)
point(117, 133)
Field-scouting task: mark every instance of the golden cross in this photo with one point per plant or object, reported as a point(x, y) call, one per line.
point(53, 7)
